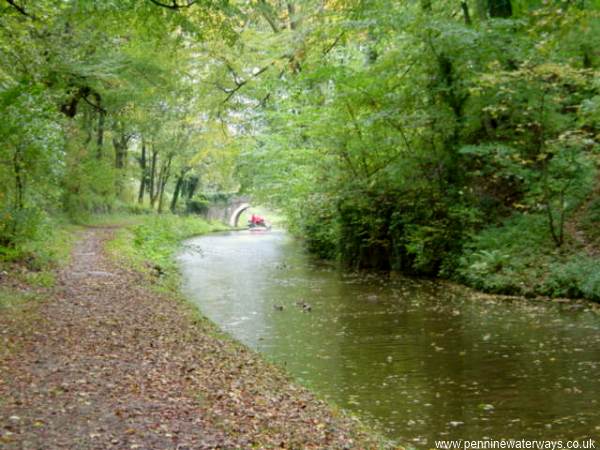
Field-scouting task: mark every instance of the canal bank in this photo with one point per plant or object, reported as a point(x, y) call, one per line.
point(114, 358)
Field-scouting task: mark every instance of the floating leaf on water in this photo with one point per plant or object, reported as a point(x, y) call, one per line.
point(455, 423)
point(486, 406)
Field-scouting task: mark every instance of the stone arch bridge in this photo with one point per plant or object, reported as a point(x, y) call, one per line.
point(229, 211)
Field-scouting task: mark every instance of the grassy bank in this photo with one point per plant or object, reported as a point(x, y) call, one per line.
point(146, 241)
point(28, 271)
point(149, 243)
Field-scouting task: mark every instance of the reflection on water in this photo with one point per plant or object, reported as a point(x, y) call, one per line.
point(424, 363)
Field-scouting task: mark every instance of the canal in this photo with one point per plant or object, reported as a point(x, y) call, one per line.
point(423, 361)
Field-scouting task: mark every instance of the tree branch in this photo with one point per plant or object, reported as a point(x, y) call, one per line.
point(240, 84)
point(20, 9)
point(265, 10)
point(174, 4)
point(335, 42)
point(93, 105)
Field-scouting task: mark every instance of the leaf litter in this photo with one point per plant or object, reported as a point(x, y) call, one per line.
point(108, 362)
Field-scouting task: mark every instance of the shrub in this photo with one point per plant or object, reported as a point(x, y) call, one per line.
point(507, 258)
point(579, 276)
point(198, 204)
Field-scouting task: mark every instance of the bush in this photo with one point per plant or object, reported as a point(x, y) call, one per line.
point(198, 204)
point(579, 276)
point(41, 243)
point(18, 226)
point(591, 220)
point(520, 258)
point(509, 258)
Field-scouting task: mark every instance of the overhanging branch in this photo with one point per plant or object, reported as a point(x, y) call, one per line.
point(174, 4)
point(19, 8)
point(93, 105)
point(242, 83)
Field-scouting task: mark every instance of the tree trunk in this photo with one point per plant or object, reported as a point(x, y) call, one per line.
point(191, 186)
point(162, 181)
point(178, 186)
point(19, 183)
point(151, 185)
point(481, 9)
point(500, 8)
point(18, 199)
point(466, 14)
point(88, 126)
point(144, 174)
point(587, 58)
point(120, 142)
point(100, 131)
point(120, 146)
point(100, 135)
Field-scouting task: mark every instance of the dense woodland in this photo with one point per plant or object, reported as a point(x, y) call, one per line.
point(450, 138)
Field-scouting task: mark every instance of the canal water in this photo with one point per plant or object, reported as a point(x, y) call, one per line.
point(423, 361)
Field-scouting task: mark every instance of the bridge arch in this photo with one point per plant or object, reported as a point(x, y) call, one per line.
point(235, 215)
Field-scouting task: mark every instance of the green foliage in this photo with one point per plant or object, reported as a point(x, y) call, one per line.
point(508, 258)
point(83, 86)
point(30, 136)
point(158, 237)
point(515, 258)
point(32, 263)
point(198, 204)
point(591, 219)
point(317, 225)
point(403, 131)
point(390, 134)
point(89, 186)
point(201, 201)
point(578, 276)
point(45, 247)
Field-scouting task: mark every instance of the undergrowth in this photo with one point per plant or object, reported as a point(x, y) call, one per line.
point(151, 243)
point(519, 258)
point(32, 262)
point(48, 248)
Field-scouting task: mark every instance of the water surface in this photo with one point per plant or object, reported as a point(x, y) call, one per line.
point(423, 362)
